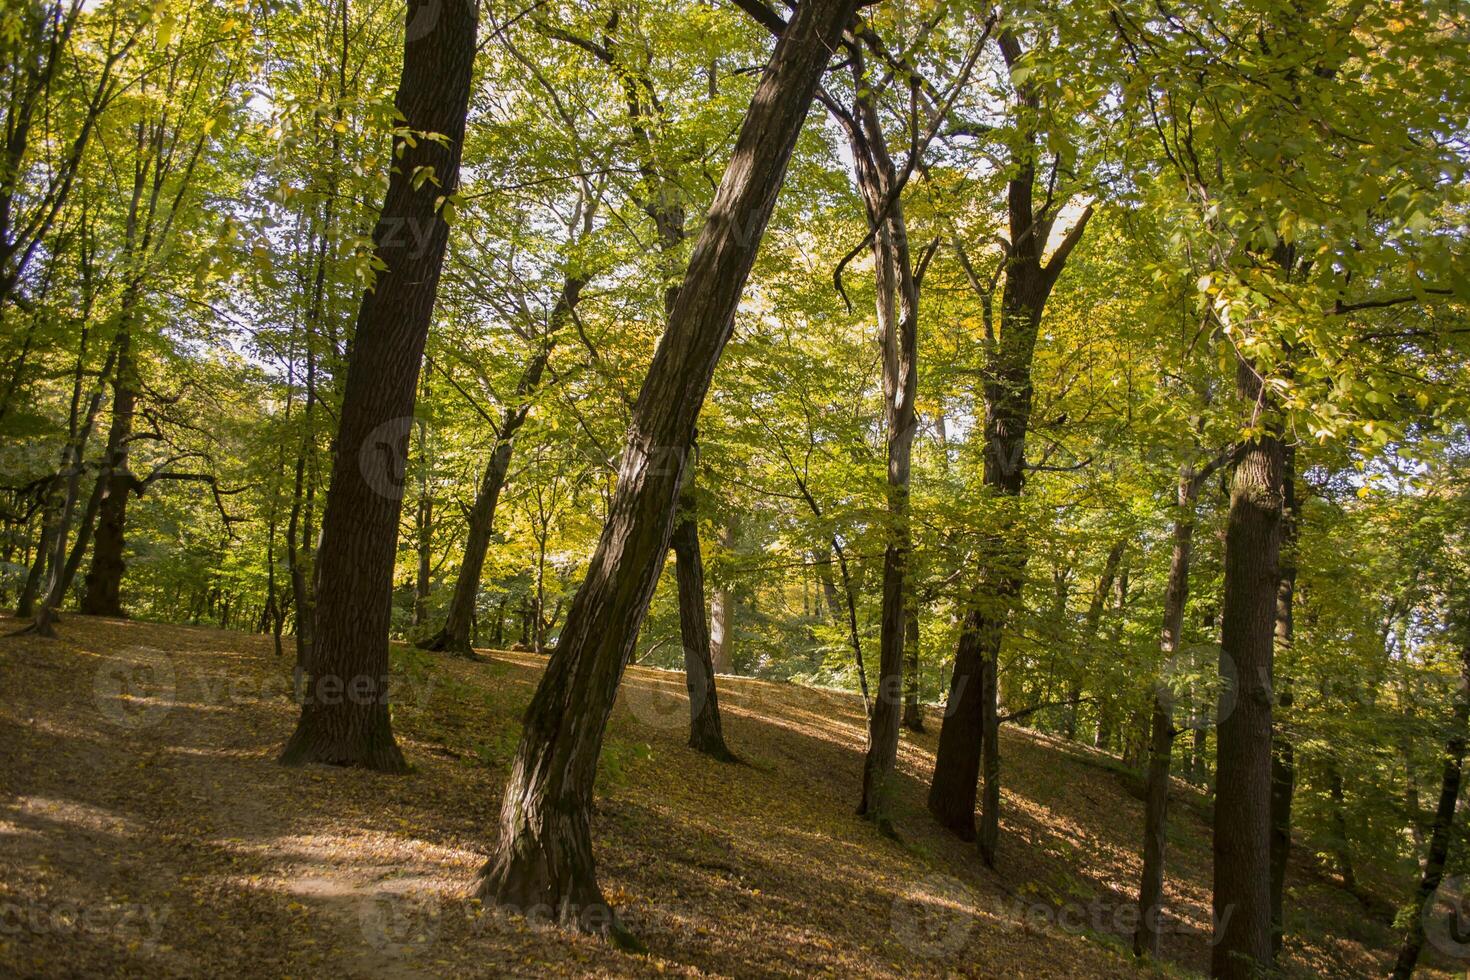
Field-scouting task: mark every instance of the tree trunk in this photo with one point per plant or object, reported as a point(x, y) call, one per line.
point(1283, 763)
point(344, 716)
point(103, 596)
point(722, 615)
point(543, 859)
point(1442, 830)
point(1242, 838)
point(1090, 627)
point(913, 712)
point(1162, 732)
point(424, 533)
point(455, 636)
point(897, 290)
point(705, 732)
point(1007, 390)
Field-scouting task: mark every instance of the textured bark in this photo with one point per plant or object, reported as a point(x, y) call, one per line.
point(913, 712)
point(103, 595)
point(705, 731)
point(543, 858)
point(1162, 731)
point(1444, 820)
point(455, 636)
point(1283, 760)
point(344, 717)
point(1242, 896)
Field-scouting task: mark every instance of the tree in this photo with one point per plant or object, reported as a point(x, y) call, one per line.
point(544, 855)
point(344, 716)
point(971, 722)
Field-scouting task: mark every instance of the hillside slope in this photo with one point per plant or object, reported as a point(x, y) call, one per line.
point(147, 831)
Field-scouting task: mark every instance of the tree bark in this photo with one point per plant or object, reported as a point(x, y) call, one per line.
point(543, 858)
point(103, 595)
point(1242, 833)
point(705, 731)
point(1442, 830)
point(913, 712)
point(344, 716)
point(1283, 762)
point(1162, 731)
point(897, 291)
point(971, 711)
point(722, 615)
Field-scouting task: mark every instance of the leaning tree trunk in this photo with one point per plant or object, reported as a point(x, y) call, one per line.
point(455, 636)
point(1162, 731)
point(1242, 837)
point(543, 859)
point(705, 731)
point(1283, 762)
point(344, 715)
point(1444, 819)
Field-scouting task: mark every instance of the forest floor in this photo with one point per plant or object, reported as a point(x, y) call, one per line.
point(145, 830)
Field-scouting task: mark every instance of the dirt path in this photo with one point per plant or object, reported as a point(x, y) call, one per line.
point(145, 830)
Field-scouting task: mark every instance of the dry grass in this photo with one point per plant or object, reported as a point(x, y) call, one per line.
point(145, 830)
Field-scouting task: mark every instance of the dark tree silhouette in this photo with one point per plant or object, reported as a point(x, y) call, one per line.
point(344, 716)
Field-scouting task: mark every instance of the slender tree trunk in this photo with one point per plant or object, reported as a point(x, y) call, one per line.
point(543, 858)
point(705, 731)
point(913, 712)
point(1090, 627)
point(1283, 763)
point(1242, 838)
point(1162, 731)
point(722, 614)
point(344, 717)
point(1442, 830)
point(971, 710)
point(1341, 846)
point(897, 291)
point(423, 533)
point(455, 636)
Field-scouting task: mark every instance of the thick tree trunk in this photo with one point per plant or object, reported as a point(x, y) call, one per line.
point(705, 731)
point(543, 859)
point(1242, 838)
point(1442, 830)
point(344, 716)
point(1162, 731)
point(103, 595)
point(455, 636)
point(1283, 762)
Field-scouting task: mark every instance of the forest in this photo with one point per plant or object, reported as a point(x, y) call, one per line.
point(734, 487)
